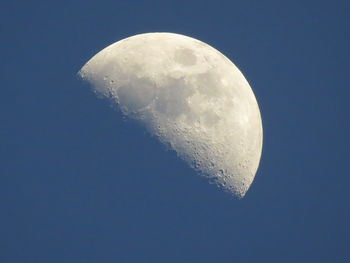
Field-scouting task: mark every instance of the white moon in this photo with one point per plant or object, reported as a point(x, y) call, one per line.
point(191, 97)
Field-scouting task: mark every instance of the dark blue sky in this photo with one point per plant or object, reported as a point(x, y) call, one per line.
point(80, 184)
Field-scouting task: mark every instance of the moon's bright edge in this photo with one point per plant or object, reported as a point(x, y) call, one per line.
point(189, 95)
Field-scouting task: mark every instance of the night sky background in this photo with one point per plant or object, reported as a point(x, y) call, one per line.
point(79, 183)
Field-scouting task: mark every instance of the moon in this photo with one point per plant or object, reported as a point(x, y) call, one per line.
point(191, 97)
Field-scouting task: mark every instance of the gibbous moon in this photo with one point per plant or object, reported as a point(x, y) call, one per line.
point(191, 97)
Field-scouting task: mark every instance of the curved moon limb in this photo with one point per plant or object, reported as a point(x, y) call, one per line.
point(191, 97)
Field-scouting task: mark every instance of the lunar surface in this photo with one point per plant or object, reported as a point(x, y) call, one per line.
point(191, 97)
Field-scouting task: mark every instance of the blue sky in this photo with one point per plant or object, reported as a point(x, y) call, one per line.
point(78, 183)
